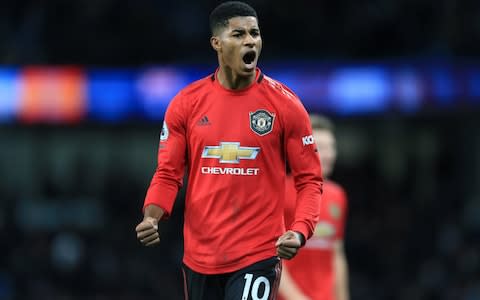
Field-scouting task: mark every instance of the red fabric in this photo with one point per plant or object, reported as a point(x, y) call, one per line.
point(312, 268)
point(234, 209)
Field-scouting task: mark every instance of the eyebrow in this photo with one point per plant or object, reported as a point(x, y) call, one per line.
point(241, 30)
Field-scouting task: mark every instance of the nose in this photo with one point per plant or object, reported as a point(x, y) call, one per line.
point(249, 40)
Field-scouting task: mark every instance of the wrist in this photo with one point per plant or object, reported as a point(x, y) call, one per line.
point(301, 237)
point(153, 211)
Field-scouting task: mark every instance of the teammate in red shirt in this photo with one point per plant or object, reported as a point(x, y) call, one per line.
point(233, 131)
point(319, 271)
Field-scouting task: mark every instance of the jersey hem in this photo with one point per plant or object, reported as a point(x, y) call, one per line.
point(228, 268)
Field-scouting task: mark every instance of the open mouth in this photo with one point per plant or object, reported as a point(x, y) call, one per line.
point(249, 57)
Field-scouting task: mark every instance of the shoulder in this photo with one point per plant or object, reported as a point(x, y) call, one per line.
point(279, 89)
point(284, 97)
point(185, 98)
point(196, 87)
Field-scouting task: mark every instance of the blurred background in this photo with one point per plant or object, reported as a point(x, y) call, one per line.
point(84, 85)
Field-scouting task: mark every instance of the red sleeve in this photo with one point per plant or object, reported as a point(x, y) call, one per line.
point(343, 214)
point(168, 177)
point(304, 163)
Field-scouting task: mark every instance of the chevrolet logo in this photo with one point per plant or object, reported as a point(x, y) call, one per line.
point(230, 152)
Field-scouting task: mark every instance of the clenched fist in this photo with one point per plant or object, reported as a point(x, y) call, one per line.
point(147, 231)
point(288, 244)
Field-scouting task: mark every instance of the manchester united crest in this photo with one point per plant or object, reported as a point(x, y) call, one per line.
point(261, 121)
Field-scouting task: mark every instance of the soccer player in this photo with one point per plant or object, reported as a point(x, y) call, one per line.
point(233, 131)
point(319, 271)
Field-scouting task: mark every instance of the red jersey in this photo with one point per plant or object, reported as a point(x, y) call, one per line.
point(312, 268)
point(235, 144)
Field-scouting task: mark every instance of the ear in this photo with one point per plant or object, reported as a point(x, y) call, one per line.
point(215, 42)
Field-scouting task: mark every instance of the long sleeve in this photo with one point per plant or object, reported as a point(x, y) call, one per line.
point(168, 177)
point(304, 163)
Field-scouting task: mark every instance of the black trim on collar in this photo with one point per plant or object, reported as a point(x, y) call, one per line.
point(260, 77)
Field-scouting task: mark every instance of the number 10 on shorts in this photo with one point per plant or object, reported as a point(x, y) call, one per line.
point(254, 289)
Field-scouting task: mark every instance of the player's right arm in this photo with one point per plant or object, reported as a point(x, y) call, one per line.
point(168, 177)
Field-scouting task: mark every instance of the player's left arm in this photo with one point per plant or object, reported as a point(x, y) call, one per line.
point(289, 243)
point(340, 266)
point(304, 164)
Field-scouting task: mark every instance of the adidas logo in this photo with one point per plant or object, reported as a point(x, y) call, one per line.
point(203, 121)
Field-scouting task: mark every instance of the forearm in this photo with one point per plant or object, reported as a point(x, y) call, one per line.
point(307, 209)
point(161, 193)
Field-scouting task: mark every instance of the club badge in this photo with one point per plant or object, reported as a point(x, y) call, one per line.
point(261, 122)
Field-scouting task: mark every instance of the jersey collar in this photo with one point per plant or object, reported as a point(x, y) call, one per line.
point(258, 79)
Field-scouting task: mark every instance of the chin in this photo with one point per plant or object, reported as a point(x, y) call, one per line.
point(248, 71)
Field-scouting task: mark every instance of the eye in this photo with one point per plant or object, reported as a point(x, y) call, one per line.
point(255, 33)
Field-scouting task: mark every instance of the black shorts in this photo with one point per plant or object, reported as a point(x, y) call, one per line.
point(258, 281)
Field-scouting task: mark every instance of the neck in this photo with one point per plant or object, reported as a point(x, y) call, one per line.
point(232, 81)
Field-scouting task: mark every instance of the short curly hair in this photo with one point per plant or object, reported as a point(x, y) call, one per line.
point(222, 13)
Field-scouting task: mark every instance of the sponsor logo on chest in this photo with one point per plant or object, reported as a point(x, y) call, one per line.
point(230, 153)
